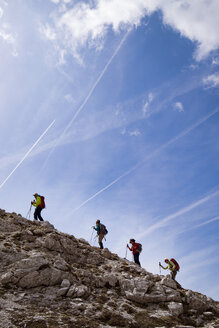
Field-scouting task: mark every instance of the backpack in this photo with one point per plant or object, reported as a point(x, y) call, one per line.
point(103, 229)
point(176, 264)
point(139, 247)
point(43, 205)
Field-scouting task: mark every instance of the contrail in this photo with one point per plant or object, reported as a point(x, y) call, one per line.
point(154, 153)
point(183, 210)
point(88, 96)
point(170, 217)
point(21, 161)
point(200, 225)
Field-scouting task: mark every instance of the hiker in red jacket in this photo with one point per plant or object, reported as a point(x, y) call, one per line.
point(135, 251)
point(39, 206)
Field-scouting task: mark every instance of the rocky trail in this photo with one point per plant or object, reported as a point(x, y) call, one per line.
point(50, 279)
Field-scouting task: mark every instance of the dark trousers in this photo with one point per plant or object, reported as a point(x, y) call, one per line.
point(136, 258)
point(37, 213)
point(173, 274)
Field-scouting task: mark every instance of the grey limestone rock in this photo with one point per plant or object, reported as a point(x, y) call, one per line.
point(167, 281)
point(51, 279)
point(65, 283)
point(175, 308)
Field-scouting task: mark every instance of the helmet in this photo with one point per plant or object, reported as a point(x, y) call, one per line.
point(166, 260)
point(132, 240)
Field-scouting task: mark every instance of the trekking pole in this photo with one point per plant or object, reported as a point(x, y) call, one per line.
point(160, 268)
point(91, 238)
point(95, 240)
point(126, 252)
point(29, 212)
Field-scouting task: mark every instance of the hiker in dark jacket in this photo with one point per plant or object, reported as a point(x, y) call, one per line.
point(171, 266)
point(134, 250)
point(37, 203)
point(100, 229)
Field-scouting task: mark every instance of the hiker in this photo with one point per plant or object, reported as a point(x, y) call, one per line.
point(172, 265)
point(135, 250)
point(101, 232)
point(39, 204)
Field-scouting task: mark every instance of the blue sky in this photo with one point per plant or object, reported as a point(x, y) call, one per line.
point(120, 101)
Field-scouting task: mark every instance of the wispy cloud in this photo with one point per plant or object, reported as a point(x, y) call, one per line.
point(59, 140)
point(1, 12)
point(68, 97)
point(211, 81)
point(200, 225)
point(134, 133)
point(203, 257)
point(6, 35)
point(215, 60)
point(178, 106)
point(147, 103)
point(157, 151)
point(180, 212)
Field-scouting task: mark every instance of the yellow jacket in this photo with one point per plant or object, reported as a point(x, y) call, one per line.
point(170, 265)
point(37, 201)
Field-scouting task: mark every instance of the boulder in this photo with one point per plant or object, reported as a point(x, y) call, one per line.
point(65, 283)
point(169, 282)
point(175, 308)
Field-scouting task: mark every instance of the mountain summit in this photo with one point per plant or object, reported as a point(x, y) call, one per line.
point(50, 279)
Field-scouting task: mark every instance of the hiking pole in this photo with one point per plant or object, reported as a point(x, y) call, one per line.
point(160, 268)
point(126, 252)
point(91, 238)
point(29, 212)
point(95, 240)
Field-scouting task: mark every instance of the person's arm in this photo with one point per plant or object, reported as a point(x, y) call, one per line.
point(129, 247)
point(37, 202)
point(163, 267)
point(97, 228)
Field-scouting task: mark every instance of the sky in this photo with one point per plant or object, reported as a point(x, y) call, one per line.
point(109, 108)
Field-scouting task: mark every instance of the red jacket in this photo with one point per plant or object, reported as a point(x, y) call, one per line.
point(134, 248)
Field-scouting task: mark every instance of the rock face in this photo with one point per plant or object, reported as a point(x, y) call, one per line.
point(50, 279)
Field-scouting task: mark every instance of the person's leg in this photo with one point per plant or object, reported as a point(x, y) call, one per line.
point(173, 274)
point(100, 238)
point(38, 213)
point(35, 214)
point(136, 259)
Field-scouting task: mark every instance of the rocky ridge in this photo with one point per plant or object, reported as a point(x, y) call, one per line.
point(50, 279)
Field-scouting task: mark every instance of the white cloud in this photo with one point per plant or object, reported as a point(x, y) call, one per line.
point(134, 133)
point(178, 106)
point(1, 12)
point(88, 22)
point(55, 1)
point(215, 61)
point(196, 20)
point(150, 98)
point(212, 81)
point(48, 32)
point(7, 37)
point(69, 98)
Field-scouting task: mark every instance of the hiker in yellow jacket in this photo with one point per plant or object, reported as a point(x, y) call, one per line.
point(37, 203)
point(171, 266)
